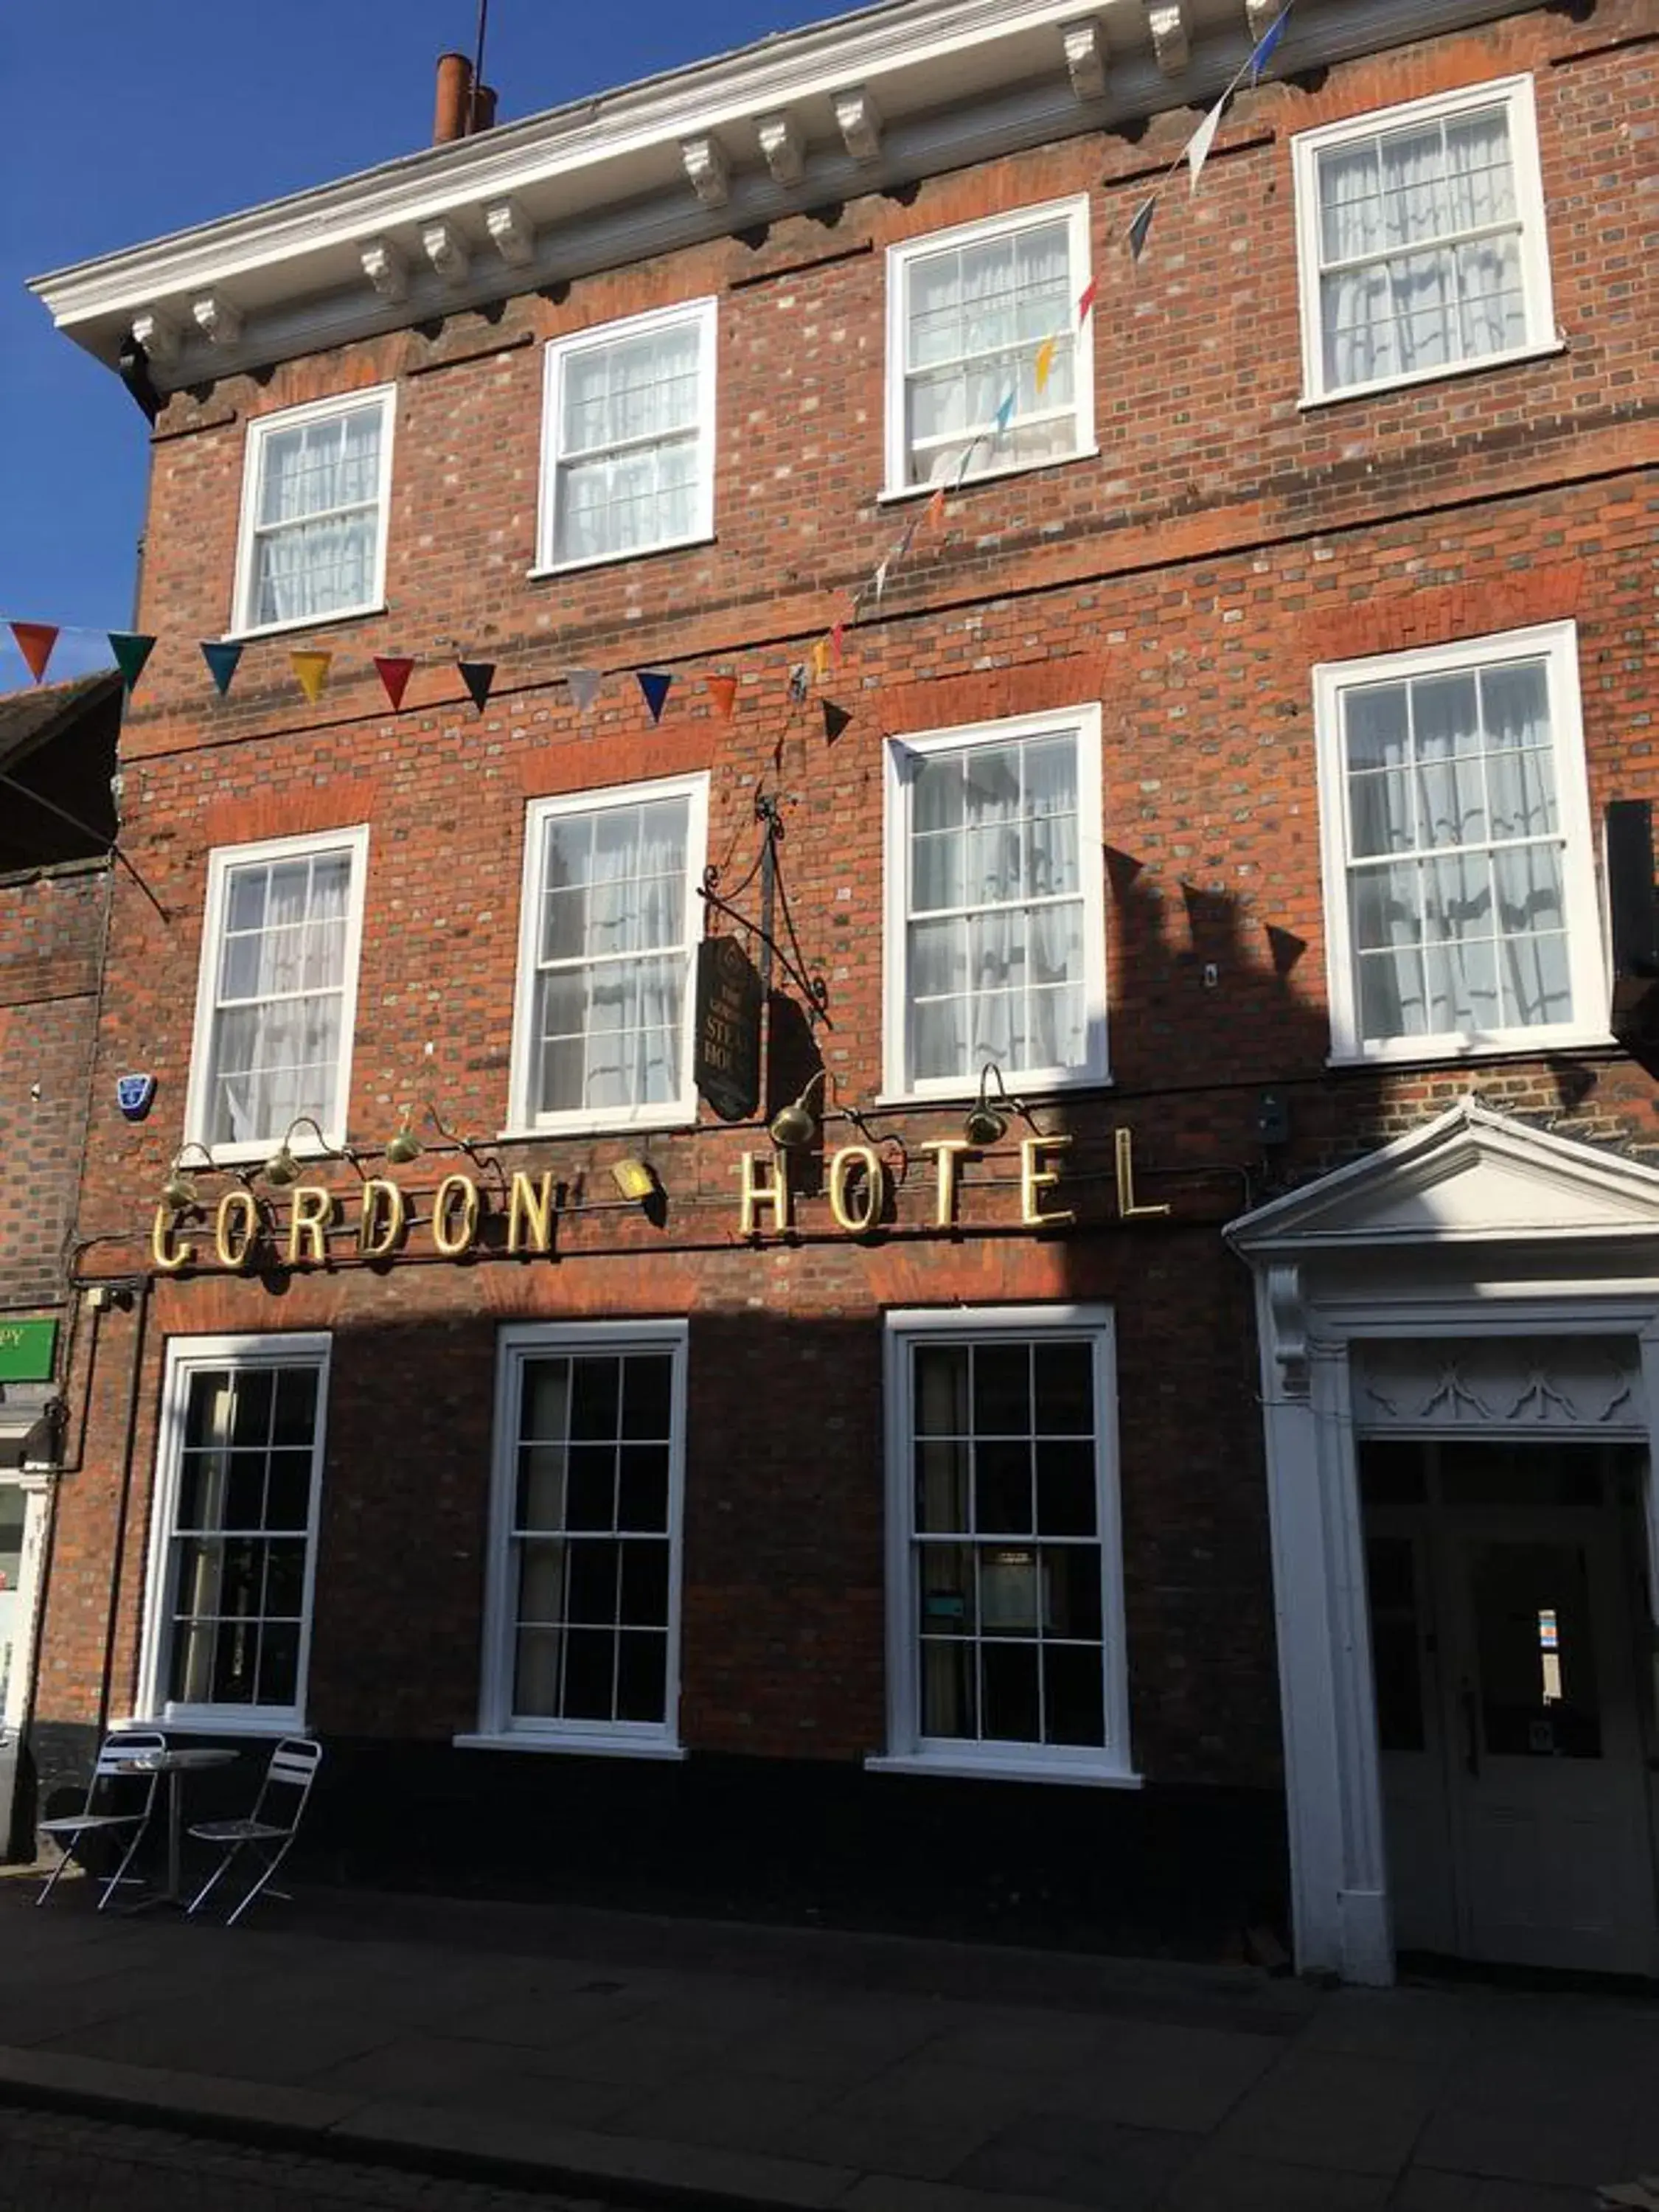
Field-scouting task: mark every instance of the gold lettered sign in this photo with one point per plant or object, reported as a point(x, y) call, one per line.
point(726, 1029)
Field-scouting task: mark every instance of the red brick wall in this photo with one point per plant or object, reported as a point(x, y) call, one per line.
point(51, 923)
point(1224, 542)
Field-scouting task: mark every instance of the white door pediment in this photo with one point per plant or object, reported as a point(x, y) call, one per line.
point(1470, 1176)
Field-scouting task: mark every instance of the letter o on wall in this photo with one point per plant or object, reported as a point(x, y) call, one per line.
point(869, 1200)
point(453, 1232)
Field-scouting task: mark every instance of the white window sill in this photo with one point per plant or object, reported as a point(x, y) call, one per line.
point(304, 622)
point(600, 1125)
point(1030, 1089)
point(1441, 1052)
point(966, 1767)
point(1380, 385)
point(545, 570)
point(895, 495)
point(241, 1722)
point(589, 1747)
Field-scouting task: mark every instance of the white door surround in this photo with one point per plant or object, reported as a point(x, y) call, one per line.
point(1478, 1274)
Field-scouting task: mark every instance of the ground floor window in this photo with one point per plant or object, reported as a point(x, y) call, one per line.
point(233, 1552)
point(1004, 1572)
point(583, 1602)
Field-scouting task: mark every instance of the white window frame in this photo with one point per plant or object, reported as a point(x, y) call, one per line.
point(498, 1729)
point(259, 429)
point(908, 1751)
point(184, 1356)
point(1075, 211)
point(705, 315)
point(898, 1083)
point(1557, 645)
point(1516, 94)
point(679, 1112)
point(221, 861)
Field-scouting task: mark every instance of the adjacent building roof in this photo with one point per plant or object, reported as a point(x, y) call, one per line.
point(58, 745)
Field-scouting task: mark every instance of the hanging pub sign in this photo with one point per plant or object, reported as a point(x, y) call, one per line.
point(726, 1045)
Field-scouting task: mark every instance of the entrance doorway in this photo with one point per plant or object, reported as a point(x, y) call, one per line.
point(1514, 1700)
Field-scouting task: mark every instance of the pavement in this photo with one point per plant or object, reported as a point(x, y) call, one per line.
point(636, 2058)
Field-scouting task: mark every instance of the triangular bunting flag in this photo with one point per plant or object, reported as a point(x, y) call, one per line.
point(1006, 411)
point(310, 669)
point(35, 641)
point(1269, 39)
point(1141, 223)
point(584, 687)
point(797, 681)
point(394, 671)
point(835, 719)
point(222, 661)
point(131, 650)
point(723, 690)
point(836, 641)
point(477, 675)
point(820, 658)
point(879, 580)
point(1197, 146)
point(1045, 362)
point(655, 684)
point(935, 509)
point(1087, 301)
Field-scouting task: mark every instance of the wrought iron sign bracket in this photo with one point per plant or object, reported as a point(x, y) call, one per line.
point(785, 949)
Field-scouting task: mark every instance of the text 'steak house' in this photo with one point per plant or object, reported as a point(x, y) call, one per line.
point(1137, 1419)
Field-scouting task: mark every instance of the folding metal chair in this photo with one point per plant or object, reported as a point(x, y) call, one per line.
point(293, 1769)
point(103, 1815)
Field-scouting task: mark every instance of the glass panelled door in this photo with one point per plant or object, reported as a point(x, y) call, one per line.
point(1512, 1739)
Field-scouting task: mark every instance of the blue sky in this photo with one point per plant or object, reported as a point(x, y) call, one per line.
point(122, 124)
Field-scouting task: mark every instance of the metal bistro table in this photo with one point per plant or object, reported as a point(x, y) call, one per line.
point(193, 1758)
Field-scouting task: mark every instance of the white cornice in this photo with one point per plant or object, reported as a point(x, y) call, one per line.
point(925, 86)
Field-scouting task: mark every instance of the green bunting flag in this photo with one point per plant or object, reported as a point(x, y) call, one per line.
point(222, 661)
point(835, 719)
point(131, 650)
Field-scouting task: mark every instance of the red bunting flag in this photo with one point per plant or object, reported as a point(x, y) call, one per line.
point(35, 641)
point(723, 690)
point(835, 640)
point(936, 509)
point(1087, 301)
point(394, 670)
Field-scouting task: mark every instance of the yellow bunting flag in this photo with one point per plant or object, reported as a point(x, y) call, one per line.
point(312, 670)
point(820, 659)
point(1045, 362)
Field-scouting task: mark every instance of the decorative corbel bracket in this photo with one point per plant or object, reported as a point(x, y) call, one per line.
point(1167, 21)
point(219, 322)
point(859, 121)
point(446, 249)
point(385, 268)
point(158, 334)
point(1259, 16)
point(706, 166)
point(510, 235)
point(1085, 58)
point(1289, 1317)
point(781, 144)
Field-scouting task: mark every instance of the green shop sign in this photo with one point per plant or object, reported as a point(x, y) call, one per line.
point(27, 1349)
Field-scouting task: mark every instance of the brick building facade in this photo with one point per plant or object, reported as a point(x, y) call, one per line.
point(1249, 542)
point(57, 819)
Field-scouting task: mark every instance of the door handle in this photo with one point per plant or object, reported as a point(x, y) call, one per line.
point(1471, 1730)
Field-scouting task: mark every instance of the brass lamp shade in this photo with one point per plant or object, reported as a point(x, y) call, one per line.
point(794, 1126)
point(403, 1147)
point(984, 1127)
point(633, 1178)
point(178, 1190)
point(282, 1168)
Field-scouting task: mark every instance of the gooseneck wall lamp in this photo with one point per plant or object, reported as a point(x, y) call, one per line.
point(180, 1190)
point(982, 1125)
point(282, 1168)
point(404, 1146)
point(794, 1126)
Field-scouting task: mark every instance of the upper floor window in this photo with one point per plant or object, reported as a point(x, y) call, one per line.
point(995, 923)
point(315, 490)
point(628, 448)
point(277, 998)
point(1422, 241)
point(968, 311)
point(228, 1622)
point(1460, 894)
point(608, 936)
